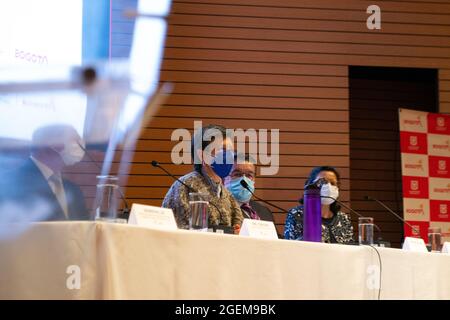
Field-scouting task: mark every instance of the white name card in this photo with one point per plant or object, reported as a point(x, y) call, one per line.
point(258, 229)
point(152, 217)
point(414, 244)
point(446, 248)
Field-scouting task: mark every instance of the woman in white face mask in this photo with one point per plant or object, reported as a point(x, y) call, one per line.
point(336, 225)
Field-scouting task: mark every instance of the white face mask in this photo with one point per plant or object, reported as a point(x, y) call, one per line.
point(328, 190)
point(72, 153)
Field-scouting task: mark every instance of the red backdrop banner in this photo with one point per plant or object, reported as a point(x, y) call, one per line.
point(425, 154)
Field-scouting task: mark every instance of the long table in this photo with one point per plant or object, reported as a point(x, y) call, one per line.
point(92, 260)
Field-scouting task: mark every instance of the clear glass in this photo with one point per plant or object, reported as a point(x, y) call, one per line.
point(435, 239)
point(106, 199)
point(365, 230)
point(199, 218)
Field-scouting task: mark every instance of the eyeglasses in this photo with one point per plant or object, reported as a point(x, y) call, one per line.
point(239, 174)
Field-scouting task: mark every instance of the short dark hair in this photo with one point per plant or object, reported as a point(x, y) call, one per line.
point(198, 136)
point(244, 156)
point(334, 207)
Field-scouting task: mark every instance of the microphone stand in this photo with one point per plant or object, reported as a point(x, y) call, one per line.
point(245, 185)
point(391, 211)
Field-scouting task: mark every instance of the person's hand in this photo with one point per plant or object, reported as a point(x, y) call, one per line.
point(237, 228)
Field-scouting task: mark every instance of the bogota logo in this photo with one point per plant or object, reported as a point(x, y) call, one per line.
point(445, 146)
point(443, 208)
point(413, 122)
point(440, 121)
point(416, 211)
point(414, 185)
point(442, 165)
point(443, 190)
point(415, 231)
point(413, 141)
point(414, 166)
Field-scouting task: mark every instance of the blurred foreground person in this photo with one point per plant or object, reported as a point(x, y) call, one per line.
point(37, 191)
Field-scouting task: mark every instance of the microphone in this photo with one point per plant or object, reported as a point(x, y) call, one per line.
point(351, 210)
point(245, 185)
point(126, 210)
point(318, 184)
point(390, 211)
point(226, 229)
point(157, 165)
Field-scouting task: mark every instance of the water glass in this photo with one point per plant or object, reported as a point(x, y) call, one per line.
point(198, 205)
point(434, 239)
point(365, 230)
point(106, 198)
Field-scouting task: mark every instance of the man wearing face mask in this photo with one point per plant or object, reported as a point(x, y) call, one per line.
point(336, 225)
point(38, 185)
point(212, 152)
point(244, 168)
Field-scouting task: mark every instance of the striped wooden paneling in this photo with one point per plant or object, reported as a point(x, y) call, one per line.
point(284, 65)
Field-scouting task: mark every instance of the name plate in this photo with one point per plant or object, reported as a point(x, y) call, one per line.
point(152, 217)
point(258, 229)
point(446, 248)
point(414, 244)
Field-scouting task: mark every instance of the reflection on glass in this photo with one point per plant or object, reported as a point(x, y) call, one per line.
point(44, 93)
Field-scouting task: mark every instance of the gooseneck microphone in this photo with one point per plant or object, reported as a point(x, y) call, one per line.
point(157, 165)
point(245, 185)
point(126, 210)
point(351, 210)
point(390, 211)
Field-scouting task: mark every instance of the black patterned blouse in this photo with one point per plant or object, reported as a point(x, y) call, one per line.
point(337, 229)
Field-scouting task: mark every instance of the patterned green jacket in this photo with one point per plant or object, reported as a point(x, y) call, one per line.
point(177, 198)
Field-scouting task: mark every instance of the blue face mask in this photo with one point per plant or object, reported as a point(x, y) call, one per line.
point(238, 191)
point(223, 163)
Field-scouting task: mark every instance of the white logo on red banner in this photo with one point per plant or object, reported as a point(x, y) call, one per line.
point(439, 167)
point(442, 165)
point(439, 210)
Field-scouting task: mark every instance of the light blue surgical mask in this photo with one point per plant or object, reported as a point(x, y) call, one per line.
point(238, 191)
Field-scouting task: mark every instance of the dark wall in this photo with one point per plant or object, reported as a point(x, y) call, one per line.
point(376, 94)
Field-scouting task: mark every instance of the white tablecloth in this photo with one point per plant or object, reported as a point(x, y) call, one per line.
point(126, 262)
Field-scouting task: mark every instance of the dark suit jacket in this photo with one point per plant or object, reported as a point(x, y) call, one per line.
point(31, 194)
point(263, 212)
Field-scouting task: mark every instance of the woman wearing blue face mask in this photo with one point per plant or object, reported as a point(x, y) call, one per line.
point(336, 225)
point(213, 159)
point(244, 169)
